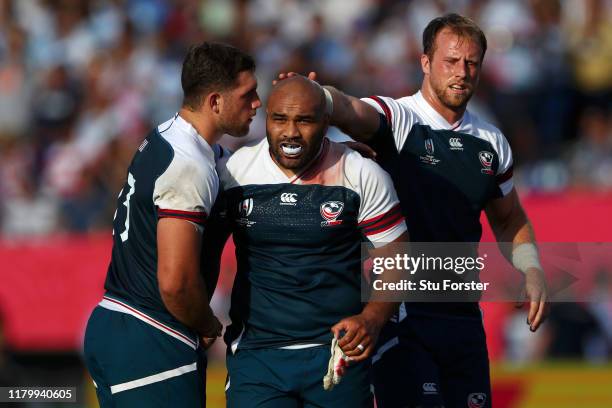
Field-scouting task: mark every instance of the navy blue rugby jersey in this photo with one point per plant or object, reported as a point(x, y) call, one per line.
point(444, 174)
point(298, 241)
point(171, 175)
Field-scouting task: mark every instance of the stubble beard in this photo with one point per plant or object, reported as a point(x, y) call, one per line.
point(453, 101)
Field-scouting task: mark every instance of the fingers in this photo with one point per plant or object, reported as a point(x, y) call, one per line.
point(540, 315)
point(284, 75)
point(533, 311)
point(537, 307)
point(353, 350)
point(350, 330)
point(206, 342)
point(214, 329)
point(367, 352)
point(338, 328)
point(356, 343)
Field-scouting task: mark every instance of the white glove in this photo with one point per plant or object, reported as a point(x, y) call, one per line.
point(335, 367)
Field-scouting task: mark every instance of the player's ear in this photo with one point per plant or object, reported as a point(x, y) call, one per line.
point(213, 102)
point(425, 64)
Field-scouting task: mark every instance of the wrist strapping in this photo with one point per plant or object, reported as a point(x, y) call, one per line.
point(329, 102)
point(525, 256)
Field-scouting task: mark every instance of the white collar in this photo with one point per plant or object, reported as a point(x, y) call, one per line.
point(187, 128)
point(436, 118)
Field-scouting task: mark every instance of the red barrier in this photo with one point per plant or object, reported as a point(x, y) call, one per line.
point(50, 286)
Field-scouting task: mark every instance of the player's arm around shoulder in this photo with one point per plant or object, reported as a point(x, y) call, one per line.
point(352, 115)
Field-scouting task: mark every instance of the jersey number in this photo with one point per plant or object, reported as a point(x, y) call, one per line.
point(131, 183)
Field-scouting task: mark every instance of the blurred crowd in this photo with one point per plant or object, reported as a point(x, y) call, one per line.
point(82, 81)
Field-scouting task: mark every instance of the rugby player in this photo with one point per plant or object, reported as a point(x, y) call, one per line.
point(143, 344)
point(447, 165)
point(299, 207)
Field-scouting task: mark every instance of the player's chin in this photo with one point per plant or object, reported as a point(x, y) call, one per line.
point(291, 162)
point(241, 131)
point(458, 100)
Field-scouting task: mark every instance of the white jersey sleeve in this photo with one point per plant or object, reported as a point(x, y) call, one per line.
point(400, 118)
point(380, 217)
point(186, 190)
point(505, 169)
point(493, 135)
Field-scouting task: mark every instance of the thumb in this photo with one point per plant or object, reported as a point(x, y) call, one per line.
point(338, 327)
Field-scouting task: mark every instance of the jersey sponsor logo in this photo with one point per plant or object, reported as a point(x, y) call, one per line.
point(477, 400)
point(429, 157)
point(288, 199)
point(486, 159)
point(455, 143)
point(430, 388)
point(330, 211)
point(245, 207)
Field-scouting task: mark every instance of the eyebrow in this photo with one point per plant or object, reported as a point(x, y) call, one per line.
point(297, 117)
point(251, 89)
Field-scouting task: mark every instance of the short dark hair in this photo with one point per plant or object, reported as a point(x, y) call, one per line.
point(211, 67)
point(460, 25)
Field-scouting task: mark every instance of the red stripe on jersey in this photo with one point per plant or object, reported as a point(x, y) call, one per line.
point(385, 227)
point(502, 178)
point(369, 222)
point(382, 222)
point(195, 216)
point(151, 320)
point(385, 109)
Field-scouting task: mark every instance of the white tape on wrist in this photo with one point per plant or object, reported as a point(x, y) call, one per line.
point(329, 102)
point(525, 256)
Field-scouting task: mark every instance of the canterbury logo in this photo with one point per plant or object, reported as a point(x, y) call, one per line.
point(289, 198)
point(430, 388)
point(455, 143)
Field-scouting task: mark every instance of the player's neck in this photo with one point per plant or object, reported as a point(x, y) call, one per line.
point(452, 116)
point(205, 128)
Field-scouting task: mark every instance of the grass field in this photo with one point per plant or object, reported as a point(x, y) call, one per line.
point(545, 385)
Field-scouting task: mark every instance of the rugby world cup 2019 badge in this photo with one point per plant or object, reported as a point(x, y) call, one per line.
point(429, 149)
point(477, 400)
point(245, 207)
point(486, 159)
point(330, 211)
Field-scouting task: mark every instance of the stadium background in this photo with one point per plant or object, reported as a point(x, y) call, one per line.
point(82, 81)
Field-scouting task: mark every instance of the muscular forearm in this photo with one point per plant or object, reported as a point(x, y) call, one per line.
point(379, 312)
point(515, 232)
point(181, 286)
point(353, 116)
point(188, 303)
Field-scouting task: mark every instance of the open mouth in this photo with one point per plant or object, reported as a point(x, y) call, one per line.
point(459, 88)
point(291, 149)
